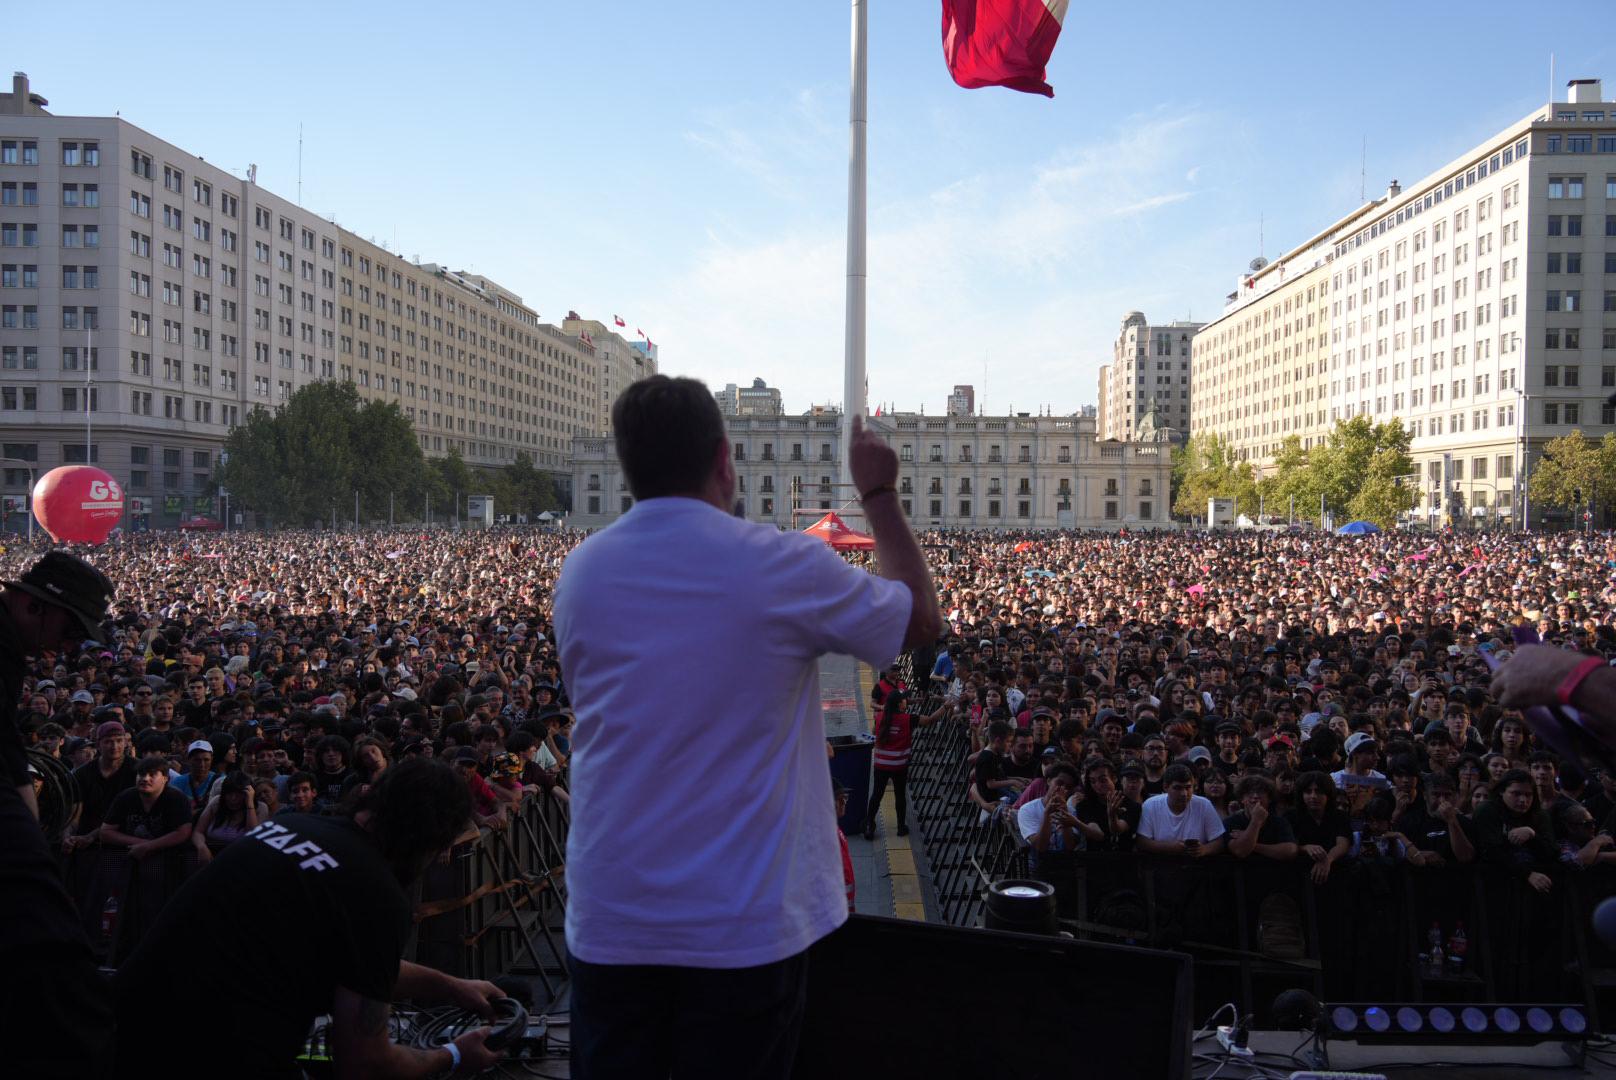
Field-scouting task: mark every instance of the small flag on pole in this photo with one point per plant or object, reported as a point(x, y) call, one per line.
point(618, 321)
point(1001, 42)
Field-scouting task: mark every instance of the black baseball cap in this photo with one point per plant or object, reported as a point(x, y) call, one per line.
point(69, 582)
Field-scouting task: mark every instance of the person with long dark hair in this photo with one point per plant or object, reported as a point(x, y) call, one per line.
point(894, 738)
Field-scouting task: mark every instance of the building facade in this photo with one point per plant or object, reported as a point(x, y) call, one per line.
point(1260, 371)
point(618, 361)
point(1149, 373)
point(1005, 472)
point(962, 401)
point(160, 299)
point(759, 399)
point(1478, 308)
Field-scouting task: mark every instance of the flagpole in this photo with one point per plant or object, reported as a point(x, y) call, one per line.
point(853, 381)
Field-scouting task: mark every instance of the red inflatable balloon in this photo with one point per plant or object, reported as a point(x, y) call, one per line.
point(79, 504)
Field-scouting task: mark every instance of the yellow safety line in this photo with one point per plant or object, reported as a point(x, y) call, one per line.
point(907, 902)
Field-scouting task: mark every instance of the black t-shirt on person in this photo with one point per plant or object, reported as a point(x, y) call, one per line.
point(128, 814)
point(96, 791)
point(316, 882)
point(1275, 829)
point(989, 767)
point(1428, 832)
point(1322, 834)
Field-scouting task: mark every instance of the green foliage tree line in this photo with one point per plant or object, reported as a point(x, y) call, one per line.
point(1362, 471)
point(1575, 473)
point(295, 463)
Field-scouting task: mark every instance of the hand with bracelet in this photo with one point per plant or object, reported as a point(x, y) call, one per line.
point(1546, 675)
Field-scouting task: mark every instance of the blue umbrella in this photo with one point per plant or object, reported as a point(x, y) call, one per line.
point(1358, 528)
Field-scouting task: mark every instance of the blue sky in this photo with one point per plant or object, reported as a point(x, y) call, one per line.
point(684, 165)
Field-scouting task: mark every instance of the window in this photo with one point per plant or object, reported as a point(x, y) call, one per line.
point(1551, 412)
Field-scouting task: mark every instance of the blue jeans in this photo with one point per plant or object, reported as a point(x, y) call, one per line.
point(632, 1021)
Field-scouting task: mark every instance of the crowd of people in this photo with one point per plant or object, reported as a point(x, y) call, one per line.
point(1306, 703)
point(1294, 698)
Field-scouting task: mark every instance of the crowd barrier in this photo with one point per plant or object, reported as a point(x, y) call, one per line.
point(1360, 936)
point(493, 905)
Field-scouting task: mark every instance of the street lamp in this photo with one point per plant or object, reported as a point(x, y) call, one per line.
point(28, 497)
point(1524, 467)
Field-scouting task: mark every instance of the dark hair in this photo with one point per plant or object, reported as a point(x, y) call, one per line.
point(1517, 776)
point(1177, 774)
point(304, 777)
point(667, 432)
point(1315, 780)
point(1063, 768)
point(151, 764)
point(1256, 782)
point(417, 808)
point(998, 730)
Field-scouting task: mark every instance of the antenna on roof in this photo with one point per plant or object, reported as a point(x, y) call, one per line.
point(300, 163)
point(1363, 172)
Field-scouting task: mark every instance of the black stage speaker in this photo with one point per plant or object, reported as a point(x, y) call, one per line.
point(894, 998)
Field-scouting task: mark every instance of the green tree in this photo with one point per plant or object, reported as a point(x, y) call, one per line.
point(1206, 468)
point(1574, 472)
point(1289, 478)
point(311, 454)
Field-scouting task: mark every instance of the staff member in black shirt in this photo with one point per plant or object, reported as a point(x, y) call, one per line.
point(336, 884)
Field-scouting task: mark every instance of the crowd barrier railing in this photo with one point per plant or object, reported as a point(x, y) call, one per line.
point(493, 904)
point(1360, 936)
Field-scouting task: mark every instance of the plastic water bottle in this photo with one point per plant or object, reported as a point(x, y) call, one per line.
point(1433, 959)
point(109, 917)
point(1458, 946)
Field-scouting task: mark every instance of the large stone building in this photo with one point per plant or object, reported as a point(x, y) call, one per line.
point(989, 472)
point(1476, 306)
point(161, 298)
point(1260, 371)
point(1149, 373)
point(618, 361)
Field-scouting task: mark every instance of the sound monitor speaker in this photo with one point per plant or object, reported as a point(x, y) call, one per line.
point(894, 998)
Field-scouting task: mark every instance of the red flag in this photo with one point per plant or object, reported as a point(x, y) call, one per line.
point(1001, 42)
point(618, 321)
point(640, 332)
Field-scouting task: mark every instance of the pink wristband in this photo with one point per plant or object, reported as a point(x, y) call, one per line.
point(1563, 693)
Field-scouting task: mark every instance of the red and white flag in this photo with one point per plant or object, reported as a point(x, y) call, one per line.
point(618, 321)
point(1001, 42)
point(640, 332)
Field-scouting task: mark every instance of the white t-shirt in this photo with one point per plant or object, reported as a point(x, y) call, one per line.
point(1030, 818)
point(1199, 821)
point(703, 827)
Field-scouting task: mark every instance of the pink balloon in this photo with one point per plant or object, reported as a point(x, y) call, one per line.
point(78, 504)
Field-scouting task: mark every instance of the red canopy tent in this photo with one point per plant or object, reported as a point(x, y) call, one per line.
point(834, 531)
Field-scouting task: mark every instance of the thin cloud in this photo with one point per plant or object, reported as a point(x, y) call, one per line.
point(1027, 274)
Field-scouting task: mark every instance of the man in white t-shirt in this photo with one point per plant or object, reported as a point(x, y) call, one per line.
point(1179, 822)
point(685, 634)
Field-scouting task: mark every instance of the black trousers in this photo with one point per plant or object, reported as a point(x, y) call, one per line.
point(878, 788)
point(653, 1022)
point(55, 1013)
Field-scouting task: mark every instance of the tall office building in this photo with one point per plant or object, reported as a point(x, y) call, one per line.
point(1145, 390)
point(160, 298)
point(759, 399)
point(1476, 306)
point(962, 401)
point(1260, 371)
